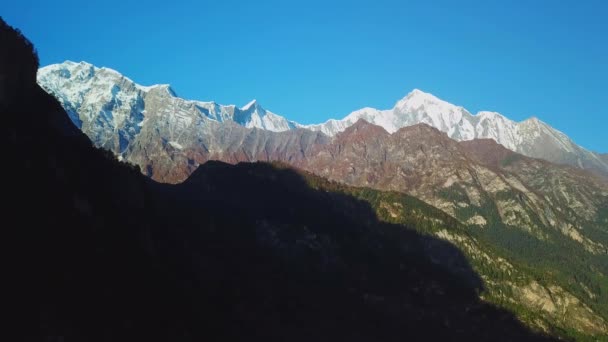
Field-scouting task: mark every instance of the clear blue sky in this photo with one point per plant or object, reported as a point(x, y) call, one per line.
point(312, 60)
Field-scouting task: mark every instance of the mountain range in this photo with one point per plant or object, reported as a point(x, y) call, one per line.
point(412, 148)
point(522, 193)
point(112, 110)
point(96, 251)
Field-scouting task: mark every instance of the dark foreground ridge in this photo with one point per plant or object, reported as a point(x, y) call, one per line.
point(98, 252)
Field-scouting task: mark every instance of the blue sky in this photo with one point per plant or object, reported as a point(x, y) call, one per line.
point(313, 60)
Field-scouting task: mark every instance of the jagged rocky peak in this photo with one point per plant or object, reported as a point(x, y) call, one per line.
point(253, 104)
point(99, 99)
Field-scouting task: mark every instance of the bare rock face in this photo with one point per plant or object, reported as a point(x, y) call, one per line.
point(407, 160)
point(559, 304)
point(172, 162)
point(563, 197)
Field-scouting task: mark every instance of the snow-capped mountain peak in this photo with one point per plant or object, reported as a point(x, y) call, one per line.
point(488, 115)
point(112, 110)
point(253, 115)
point(104, 103)
point(530, 137)
point(422, 107)
point(164, 87)
point(417, 98)
point(249, 105)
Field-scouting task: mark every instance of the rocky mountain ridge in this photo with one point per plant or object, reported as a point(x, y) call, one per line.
point(111, 109)
point(530, 137)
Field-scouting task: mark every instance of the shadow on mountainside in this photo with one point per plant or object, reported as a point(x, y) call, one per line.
point(98, 252)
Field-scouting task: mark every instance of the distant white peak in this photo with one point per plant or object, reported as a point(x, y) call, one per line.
point(361, 112)
point(533, 121)
point(73, 64)
point(250, 105)
point(67, 65)
point(417, 98)
point(206, 103)
point(328, 122)
point(490, 115)
point(487, 113)
point(66, 62)
point(167, 88)
point(68, 69)
point(154, 86)
point(110, 71)
point(419, 94)
point(85, 63)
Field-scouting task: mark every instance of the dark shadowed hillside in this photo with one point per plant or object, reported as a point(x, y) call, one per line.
point(98, 252)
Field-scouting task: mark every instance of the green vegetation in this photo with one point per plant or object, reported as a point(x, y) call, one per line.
point(454, 193)
point(549, 259)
